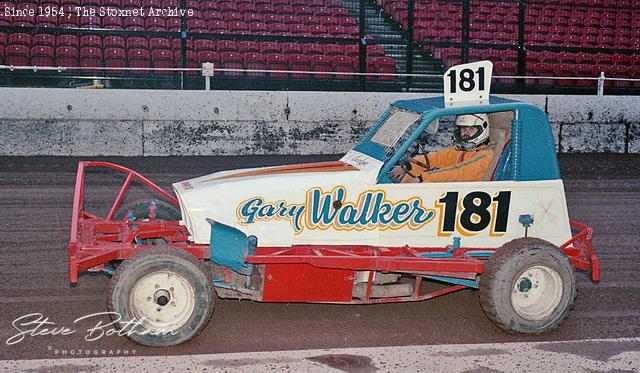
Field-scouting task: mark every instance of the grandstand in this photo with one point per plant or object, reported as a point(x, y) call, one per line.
point(318, 44)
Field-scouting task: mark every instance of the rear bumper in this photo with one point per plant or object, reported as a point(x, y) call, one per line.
point(580, 251)
point(96, 240)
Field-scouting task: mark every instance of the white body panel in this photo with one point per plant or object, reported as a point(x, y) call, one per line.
point(278, 207)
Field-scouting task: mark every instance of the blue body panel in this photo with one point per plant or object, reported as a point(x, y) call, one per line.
point(229, 246)
point(530, 156)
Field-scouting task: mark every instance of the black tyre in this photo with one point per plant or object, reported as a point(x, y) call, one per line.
point(140, 209)
point(528, 286)
point(166, 292)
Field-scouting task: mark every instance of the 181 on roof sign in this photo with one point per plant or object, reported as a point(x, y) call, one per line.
point(468, 84)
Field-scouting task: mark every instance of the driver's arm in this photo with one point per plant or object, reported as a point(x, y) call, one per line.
point(472, 169)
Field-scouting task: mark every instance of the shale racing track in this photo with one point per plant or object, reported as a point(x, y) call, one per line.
point(603, 191)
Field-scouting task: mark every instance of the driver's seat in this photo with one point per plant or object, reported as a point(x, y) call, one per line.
point(500, 135)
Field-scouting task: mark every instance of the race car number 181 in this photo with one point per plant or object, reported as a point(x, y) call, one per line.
point(468, 84)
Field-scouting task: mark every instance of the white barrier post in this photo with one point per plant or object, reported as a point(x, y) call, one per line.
point(207, 72)
point(601, 84)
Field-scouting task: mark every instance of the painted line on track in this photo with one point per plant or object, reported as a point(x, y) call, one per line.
point(596, 355)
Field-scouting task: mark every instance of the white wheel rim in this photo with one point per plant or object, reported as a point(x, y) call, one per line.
point(162, 301)
point(537, 292)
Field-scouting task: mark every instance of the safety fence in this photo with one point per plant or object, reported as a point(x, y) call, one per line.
point(366, 45)
point(209, 73)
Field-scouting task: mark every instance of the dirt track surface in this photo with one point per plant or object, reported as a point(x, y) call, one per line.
point(602, 191)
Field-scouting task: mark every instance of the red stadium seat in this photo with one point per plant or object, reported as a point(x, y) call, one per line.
point(310, 20)
point(159, 43)
point(266, 9)
point(278, 28)
point(114, 23)
point(204, 45)
point(47, 21)
point(67, 56)
point(277, 61)
point(136, 42)
point(583, 71)
point(162, 59)
point(197, 25)
point(337, 31)
point(46, 40)
point(133, 23)
point(248, 47)
point(255, 61)
point(91, 41)
point(273, 18)
point(313, 49)
point(139, 58)
point(237, 27)
point(333, 50)
point(252, 17)
point(375, 51)
point(329, 21)
point(258, 27)
point(602, 59)
point(322, 12)
point(216, 26)
point(20, 38)
point(298, 29)
point(299, 62)
point(303, 11)
point(226, 46)
point(90, 57)
point(42, 56)
point(155, 24)
point(317, 30)
point(343, 64)
point(173, 24)
point(385, 65)
point(247, 8)
point(90, 22)
point(351, 50)
point(208, 56)
point(285, 10)
point(115, 57)
point(620, 59)
point(347, 21)
point(270, 47)
point(231, 60)
point(113, 42)
point(291, 48)
point(322, 63)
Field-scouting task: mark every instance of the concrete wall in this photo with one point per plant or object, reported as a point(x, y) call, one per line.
point(161, 123)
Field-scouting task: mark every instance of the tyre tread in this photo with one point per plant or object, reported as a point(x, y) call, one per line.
point(162, 250)
point(488, 277)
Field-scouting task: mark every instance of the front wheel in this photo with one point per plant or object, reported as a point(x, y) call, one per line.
point(528, 286)
point(161, 297)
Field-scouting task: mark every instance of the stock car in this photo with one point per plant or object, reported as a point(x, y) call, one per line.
point(344, 232)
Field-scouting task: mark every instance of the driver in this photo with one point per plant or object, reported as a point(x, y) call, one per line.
point(467, 160)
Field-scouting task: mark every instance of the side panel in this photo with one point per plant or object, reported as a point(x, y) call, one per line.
point(305, 283)
point(483, 214)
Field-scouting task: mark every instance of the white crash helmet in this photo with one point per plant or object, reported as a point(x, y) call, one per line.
point(479, 121)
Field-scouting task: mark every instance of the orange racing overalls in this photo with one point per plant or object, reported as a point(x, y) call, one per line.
point(453, 165)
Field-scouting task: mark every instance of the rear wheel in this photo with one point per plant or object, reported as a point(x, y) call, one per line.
point(140, 210)
point(528, 286)
point(161, 296)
